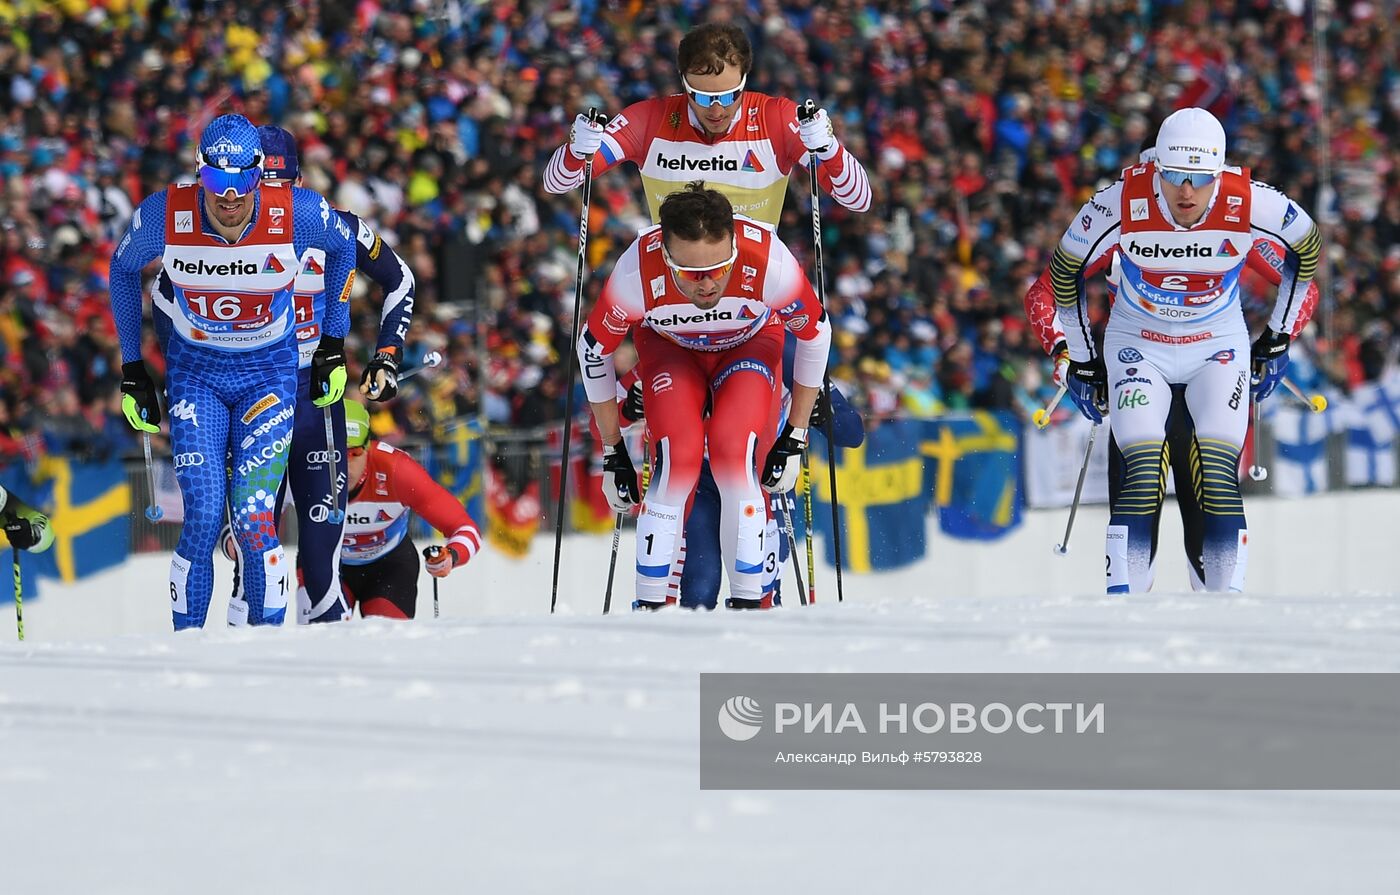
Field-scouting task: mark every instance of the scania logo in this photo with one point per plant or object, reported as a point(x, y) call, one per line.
point(199, 268)
point(683, 319)
point(1160, 251)
point(686, 163)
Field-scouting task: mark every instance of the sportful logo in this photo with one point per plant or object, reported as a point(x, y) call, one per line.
point(751, 163)
point(185, 411)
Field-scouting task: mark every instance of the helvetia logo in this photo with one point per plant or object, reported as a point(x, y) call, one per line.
point(199, 268)
point(1226, 250)
point(686, 163)
point(740, 718)
point(1159, 251)
point(272, 265)
point(311, 267)
point(751, 163)
point(683, 319)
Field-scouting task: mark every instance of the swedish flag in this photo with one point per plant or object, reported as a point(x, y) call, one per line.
point(973, 474)
point(88, 505)
point(455, 462)
point(882, 502)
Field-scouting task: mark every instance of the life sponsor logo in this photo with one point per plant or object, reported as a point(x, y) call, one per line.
point(268, 453)
point(1238, 394)
point(264, 403)
point(267, 426)
point(1164, 339)
point(185, 410)
point(187, 460)
point(740, 366)
point(1129, 356)
point(1130, 398)
point(1224, 357)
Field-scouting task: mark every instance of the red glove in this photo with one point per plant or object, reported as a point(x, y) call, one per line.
point(441, 560)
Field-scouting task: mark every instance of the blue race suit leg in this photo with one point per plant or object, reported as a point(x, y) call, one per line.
point(700, 579)
point(199, 424)
point(263, 407)
point(319, 594)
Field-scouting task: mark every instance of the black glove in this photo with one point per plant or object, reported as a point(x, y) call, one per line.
point(784, 460)
point(328, 372)
point(1268, 358)
point(821, 411)
point(1088, 386)
point(620, 478)
point(380, 381)
point(632, 407)
point(140, 405)
point(21, 532)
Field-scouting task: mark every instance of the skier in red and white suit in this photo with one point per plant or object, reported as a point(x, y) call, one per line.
point(711, 293)
point(379, 565)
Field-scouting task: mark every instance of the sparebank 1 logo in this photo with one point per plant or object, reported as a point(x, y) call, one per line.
point(740, 718)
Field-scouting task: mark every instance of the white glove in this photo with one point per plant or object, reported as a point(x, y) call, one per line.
point(1060, 354)
point(817, 134)
point(585, 137)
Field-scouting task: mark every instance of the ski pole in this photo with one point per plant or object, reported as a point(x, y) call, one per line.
point(593, 115)
point(19, 596)
point(430, 360)
point(336, 515)
point(431, 553)
point(1041, 417)
point(1257, 470)
point(153, 511)
point(1316, 403)
point(809, 109)
point(807, 519)
point(788, 510)
point(612, 564)
point(1063, 547)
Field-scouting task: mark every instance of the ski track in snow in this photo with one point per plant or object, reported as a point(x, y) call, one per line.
point(529, 753)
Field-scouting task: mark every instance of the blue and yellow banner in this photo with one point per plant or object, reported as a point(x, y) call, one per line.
point(964, 467)
point(88, 505)
point(455, 461)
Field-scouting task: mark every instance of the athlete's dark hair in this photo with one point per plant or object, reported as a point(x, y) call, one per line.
point(696, 213)
point(707, 49)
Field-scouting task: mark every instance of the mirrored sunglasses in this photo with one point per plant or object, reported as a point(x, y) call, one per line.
point(724, 100)
point(1197, 179)
point(700, 274)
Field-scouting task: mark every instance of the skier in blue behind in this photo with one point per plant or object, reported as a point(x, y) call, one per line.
point(225, 319)
point(319, 595)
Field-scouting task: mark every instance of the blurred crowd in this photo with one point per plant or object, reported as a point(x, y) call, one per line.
point(983, 127)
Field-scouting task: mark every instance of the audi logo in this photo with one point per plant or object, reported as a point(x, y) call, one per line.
point(321, 457)
point(184, 460)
